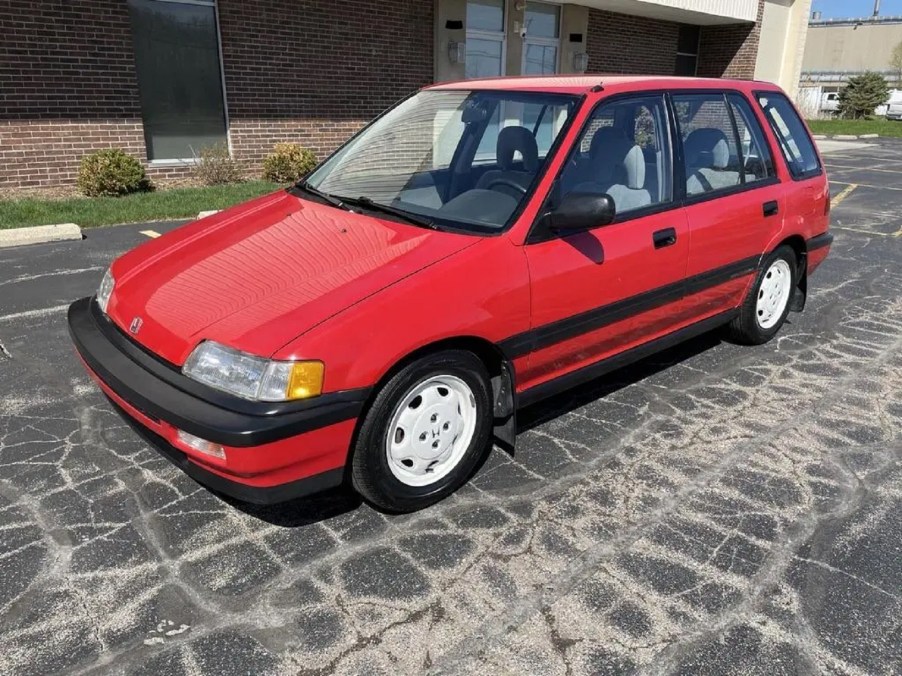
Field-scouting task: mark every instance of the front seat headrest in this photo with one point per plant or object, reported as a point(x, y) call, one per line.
point(707, 147)
point(517, 139)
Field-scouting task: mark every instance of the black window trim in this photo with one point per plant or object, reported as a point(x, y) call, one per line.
point(763, 139)
point(796, 176)
point(679, 199)
point(742, 186)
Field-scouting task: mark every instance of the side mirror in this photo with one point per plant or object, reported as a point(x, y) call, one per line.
point(580, 211)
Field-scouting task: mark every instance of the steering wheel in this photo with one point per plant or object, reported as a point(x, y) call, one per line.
point(507, 182)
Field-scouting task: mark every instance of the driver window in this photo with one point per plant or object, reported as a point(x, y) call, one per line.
point(625, 153)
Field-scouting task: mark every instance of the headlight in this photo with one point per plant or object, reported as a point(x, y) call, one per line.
point(105, 290)
point(251, 377)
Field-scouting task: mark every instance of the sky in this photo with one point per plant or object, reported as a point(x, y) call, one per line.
point(842, 9)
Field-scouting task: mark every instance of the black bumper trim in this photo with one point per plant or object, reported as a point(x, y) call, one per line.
point(255, 495)
point(160, 398)
point(820, 241)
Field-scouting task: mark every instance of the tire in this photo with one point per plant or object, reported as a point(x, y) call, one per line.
point(758, 322)
point(442, 437)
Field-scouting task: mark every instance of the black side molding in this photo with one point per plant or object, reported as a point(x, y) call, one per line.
point(591, 320)
point(587, 373)
point(820, 241)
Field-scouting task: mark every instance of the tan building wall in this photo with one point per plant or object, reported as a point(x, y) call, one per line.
point(850, 47)
point(784, 25)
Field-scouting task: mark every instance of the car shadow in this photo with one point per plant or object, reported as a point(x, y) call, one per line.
point(313, 509)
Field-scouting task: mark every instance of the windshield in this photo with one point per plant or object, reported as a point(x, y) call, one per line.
point(455, 158)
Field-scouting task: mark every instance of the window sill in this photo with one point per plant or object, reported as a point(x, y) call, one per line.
point(172, 163)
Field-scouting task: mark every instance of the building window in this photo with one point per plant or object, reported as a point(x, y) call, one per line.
point(540, 48)
point(485, 38)
point(179, 76)
point(687, 50)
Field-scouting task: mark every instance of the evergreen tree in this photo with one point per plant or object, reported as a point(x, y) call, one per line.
point(862, 94)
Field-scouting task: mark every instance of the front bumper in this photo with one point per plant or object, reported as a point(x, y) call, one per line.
point(273, 452)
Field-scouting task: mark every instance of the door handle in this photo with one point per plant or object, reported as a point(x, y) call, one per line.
point(771, 208)
point(662, 238)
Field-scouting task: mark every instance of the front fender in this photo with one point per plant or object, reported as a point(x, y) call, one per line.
point(480, 292)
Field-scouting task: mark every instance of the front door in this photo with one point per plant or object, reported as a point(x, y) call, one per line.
point(602, 291)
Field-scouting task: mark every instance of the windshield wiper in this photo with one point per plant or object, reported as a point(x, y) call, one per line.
point(368, 203)
point(331, 199)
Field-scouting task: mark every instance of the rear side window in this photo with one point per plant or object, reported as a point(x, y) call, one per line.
point(711, 155)
point(795, 144)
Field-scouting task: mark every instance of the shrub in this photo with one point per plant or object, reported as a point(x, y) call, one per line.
point(214, 165)
point(111, 172)
point(862, 94)
point(288, 162)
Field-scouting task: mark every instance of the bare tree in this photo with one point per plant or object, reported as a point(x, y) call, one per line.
point(895, 62)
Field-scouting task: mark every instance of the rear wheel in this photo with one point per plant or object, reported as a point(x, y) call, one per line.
point(767, 303)
point(425, 433)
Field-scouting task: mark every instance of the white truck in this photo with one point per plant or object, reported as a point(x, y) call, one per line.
point(894, 105)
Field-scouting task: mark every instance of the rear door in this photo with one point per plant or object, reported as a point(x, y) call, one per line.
point(599, 292)
point(734, 201)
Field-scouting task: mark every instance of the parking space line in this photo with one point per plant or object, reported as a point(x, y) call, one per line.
point(840, 167)
point(153, 234)
point(864, 185)
point(842, 195)
point(34, 313)
point(866, 232)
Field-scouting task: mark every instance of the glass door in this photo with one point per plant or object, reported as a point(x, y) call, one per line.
point(543, 37)
point(485, 38)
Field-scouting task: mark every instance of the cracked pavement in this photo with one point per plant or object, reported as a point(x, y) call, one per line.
point(713, 509)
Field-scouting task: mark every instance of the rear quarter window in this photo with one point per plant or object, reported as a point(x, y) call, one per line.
point(792, 136)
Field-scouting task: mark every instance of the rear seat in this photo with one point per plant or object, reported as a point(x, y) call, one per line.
point(708, 161)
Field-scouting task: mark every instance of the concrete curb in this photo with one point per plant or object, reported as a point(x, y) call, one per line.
point(39, 234)
point(845, 137)
point(204, 214)
point(869, 136)
point(819, 137)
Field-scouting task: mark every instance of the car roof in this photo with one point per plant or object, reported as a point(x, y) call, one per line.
point(580, 84)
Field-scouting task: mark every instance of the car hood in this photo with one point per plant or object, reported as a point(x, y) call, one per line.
point(258, 275)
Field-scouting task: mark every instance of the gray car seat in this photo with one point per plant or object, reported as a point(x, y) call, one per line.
point(512, 140)
point(708, 161)
point(619, 172)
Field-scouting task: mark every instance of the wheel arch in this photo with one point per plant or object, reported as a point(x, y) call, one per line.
point(797, 243)
point(501, 376)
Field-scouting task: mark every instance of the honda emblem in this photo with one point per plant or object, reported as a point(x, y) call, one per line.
point(135, 325)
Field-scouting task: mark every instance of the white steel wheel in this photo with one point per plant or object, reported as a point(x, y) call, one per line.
point(773, 294)
point(430, 430)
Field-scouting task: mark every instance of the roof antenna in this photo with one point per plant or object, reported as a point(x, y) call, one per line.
point(597, 88)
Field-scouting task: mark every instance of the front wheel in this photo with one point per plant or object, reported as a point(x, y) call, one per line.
point(425, 433)
point(765, 308)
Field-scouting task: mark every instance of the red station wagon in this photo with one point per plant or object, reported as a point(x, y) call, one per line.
point(479, 247)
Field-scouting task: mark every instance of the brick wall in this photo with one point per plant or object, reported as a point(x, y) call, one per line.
point(316, 71)
point(730, 51)
point(67, 86)
point(311, 71)
point(617, 43)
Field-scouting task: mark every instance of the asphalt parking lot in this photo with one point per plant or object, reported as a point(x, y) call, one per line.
point(715, 509)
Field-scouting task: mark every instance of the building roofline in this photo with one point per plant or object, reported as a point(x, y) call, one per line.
point(854, 21)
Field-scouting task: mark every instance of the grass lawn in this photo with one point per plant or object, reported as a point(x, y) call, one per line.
point(878, 125)
point(149, 206)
